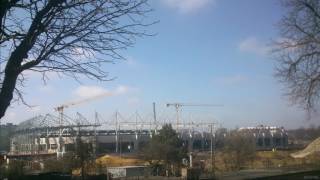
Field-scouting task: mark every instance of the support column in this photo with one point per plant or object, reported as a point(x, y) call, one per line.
point(202, 143)
point(136, 142)
point(190, 144)
point(47, 143)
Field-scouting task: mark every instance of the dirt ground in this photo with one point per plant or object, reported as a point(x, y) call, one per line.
point(262, 160)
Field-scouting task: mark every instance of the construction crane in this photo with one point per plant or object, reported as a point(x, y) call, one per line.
point(179, 105)
point(61, 107)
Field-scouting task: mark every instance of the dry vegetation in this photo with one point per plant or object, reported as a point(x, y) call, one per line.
point(262, 160)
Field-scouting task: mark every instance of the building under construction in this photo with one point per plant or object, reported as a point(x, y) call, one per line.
point(268, 137)
point(50, 135)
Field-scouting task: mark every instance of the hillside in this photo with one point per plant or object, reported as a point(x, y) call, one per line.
point(313, 147)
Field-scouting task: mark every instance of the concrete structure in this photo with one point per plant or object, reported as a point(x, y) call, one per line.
point(268, 137)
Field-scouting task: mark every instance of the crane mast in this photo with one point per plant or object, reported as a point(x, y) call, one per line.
point(60, 110)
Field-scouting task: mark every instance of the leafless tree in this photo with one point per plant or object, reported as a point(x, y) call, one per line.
point(239, 149)
point(298, 52)
point(69, 37)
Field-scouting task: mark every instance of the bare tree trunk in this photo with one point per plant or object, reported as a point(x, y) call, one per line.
point(56, 32)
point(12, 71)
point(7, 90)
point(10, 78)
point(13, 67)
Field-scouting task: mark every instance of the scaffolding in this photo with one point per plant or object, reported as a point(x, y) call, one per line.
point(46, 135)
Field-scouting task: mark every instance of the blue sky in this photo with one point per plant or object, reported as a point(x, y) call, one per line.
point(205, 51)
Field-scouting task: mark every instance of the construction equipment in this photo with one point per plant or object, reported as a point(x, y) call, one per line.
point(61, 108)
point(179, 105)
point(81, 101)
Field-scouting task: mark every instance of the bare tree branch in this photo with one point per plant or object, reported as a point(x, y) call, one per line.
point(70, 37)
point(298, 52)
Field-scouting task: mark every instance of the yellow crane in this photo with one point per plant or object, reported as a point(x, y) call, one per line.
point(60, 108)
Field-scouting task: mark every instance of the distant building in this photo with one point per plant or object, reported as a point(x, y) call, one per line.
point(129, 171)
point(267, 137)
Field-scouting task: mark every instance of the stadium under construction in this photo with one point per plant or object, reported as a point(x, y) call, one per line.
point(49, 135)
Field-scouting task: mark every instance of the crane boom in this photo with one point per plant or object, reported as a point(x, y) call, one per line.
point(81, 101)
point(61, 108)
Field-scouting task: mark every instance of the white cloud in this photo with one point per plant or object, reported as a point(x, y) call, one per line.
point(89, 91)
point(121, 90)
point(253, 45)
point(187, 6)
point(96, 91)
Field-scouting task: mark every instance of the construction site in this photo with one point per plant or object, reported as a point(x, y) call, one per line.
point(169, 89)
point(45, 135)
point(121, 147)
point(49, 134)
point(116, 143)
